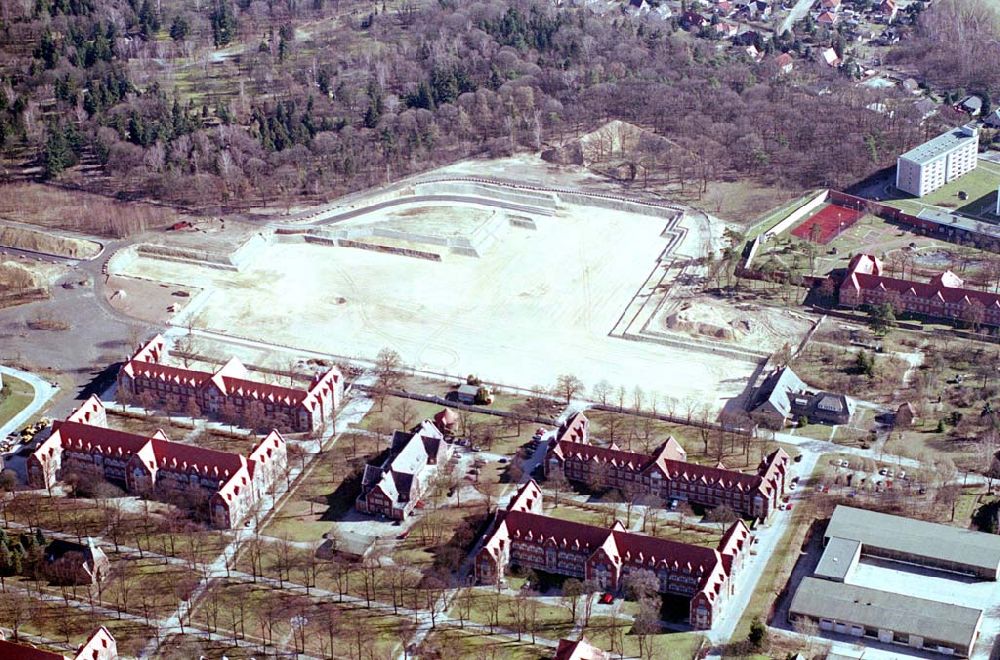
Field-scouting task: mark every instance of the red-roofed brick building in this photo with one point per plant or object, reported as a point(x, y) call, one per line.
point(288, 409)
point(944, 296)
point(156, 467)
point(666, 473)
point(521, 535)
point(99, 646)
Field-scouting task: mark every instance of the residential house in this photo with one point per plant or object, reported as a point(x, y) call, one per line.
point(827, 18)
point(753, 53)
point(67, 562)
point(521, 535)
point(944, 296)
point(99, 646)
point(394, 489)
point(783, 397)
point(147, 379)
point(726, 30)
point(692, 20)
point(888, 9)
point(993, 119)
point(971, 104)
point(581, 649)
point(784, 63)
point(153, 466)
point(830, 5)
point(759, 9)
point(666, 474)
point(829, 57)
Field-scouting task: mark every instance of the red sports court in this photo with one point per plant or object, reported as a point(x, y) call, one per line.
point(832, 220)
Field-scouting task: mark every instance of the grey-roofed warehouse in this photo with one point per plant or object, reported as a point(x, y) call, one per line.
point(886, 616)
point(928, 544)
point(839, 559)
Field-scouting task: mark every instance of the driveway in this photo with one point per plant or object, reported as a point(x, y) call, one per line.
point(43, 392)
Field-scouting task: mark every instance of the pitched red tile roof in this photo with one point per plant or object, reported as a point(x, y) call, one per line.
point(74, 435)
point(20, 651)
point(864, 273)
point(578, 650)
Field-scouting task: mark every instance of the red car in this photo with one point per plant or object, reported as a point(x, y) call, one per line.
point(607, 598)
point(789, 507)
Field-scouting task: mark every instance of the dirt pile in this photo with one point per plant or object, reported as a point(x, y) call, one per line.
point(38, 241)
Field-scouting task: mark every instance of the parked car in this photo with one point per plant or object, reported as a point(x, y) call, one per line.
point(607, 598)
point(790, 505)
point(673, 505)
point(883, 471)
point(902, 474)
point(403, 535)
point(791, 486)
point(502, 460)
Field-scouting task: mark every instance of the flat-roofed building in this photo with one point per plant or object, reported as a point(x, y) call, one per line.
point(917, 542)
point(927, 167)
point(888, 617)
point(839, 559)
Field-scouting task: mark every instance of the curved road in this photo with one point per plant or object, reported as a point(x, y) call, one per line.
point(43, 392)
point(798, 12)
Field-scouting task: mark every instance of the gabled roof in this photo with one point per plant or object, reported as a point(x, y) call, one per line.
point(776, 391)
point(21, 651)
point(578, 650)
point(864, 274)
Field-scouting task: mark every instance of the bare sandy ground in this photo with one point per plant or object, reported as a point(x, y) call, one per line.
point(540, 303)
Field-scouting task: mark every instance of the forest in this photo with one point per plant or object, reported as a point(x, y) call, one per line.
point(253, 102)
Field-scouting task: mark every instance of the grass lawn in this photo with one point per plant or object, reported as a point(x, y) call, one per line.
point(602, 632)
point(980, 185)
point(553, 621)
point(16, 394)
point(328, 491)
point(456, 643)
point(146, 425)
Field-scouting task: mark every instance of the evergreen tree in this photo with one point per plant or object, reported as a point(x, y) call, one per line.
point(180, 28)
point(223, 21)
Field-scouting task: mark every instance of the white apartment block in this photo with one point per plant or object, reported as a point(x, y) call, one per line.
point(927, 167)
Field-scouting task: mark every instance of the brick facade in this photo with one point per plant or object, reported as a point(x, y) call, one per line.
point(666, 474)
point(147, 376)
point(153, 466)
point(523, 536)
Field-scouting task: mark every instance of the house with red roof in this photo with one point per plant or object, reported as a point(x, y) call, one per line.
point(153, 466)
point(944, 296)
point(784, 63)
point(529, 539)
point(148, 379)
point(826, 18)
point(100, 645)
point(888, 9)
point(394, 488)
point(581, 649)
point(665, 473)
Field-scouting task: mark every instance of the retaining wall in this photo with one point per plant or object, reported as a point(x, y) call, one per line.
point(418, 254)
point(797, 215)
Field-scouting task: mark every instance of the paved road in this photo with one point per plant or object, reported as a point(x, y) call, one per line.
point(798, 12)
point(769, 536)
point(37, 256)
point(43, 392)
